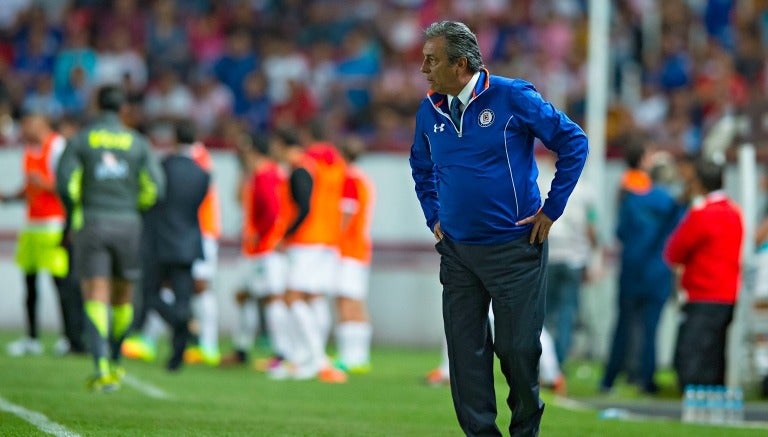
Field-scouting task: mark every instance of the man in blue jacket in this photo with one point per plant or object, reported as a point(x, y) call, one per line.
point(473, 164)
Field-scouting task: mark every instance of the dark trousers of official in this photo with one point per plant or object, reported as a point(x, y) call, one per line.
point(177, 313)
point(71, 301)
point(511, 278)
point(635, 311)
point(701, 342)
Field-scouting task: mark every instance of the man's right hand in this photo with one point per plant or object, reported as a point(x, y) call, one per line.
point(438, 232)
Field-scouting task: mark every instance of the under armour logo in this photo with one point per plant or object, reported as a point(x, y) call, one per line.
point(439, 127)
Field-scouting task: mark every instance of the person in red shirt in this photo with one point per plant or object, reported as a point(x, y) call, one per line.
point(707, 245)
point(264, 202)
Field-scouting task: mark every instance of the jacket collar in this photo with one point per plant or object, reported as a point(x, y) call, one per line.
point(440, 101)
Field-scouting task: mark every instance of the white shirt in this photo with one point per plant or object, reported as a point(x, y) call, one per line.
point(466, 92)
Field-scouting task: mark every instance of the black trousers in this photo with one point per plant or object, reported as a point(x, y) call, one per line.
point(511, 277)
point(177, 313)
point(71, 301)
point(701, 341)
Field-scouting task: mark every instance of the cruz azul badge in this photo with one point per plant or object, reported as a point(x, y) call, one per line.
point(486, 118)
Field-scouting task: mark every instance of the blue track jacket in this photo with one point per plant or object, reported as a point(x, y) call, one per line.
point(479, 178)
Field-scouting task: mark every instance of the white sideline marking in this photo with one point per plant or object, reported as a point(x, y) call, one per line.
point(146, 388)
point(39, 420)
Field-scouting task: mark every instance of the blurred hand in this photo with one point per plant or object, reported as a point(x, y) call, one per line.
point(438, 232)
point(541, 225)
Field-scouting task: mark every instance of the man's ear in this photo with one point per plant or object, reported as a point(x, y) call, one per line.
point(462, 63)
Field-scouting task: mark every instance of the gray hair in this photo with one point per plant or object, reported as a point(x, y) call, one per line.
point(460, 42)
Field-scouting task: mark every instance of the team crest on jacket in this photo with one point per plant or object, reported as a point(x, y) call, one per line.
point(486, 118)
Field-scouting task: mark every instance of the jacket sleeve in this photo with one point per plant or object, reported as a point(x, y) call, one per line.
point(559, 134)
point(69, 176)
point(151, 181)
point(683, 240)
point(423, 172)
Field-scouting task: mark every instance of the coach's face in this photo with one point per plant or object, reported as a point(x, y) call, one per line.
point(443, 77)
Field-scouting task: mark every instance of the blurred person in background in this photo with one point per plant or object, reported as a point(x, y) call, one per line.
point(73, 314)
point(475, 175)
point(39, 247)
point(172, 241)
point(237, 62)
point(264, 199)
point(117, 62)
point(203, 346)
point(310, 243)
point(212, 101)
point(647, 214)
point(204, 301)
point(167, 44)
point(328, 186)
point(106, 177)
point(165, 103)
point(707, 246)
point(255, 108)
point(43, 100)
point(353, 328)
point(76, 53)
point(571, 249)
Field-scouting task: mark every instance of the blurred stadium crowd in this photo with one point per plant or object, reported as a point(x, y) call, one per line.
point(680, 70)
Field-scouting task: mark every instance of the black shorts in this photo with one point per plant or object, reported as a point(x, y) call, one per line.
point(108, 249)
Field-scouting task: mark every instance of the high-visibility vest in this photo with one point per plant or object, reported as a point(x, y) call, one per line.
point(43, 205)
point(265, 243)
point(357, 200)
point(323, 224)
point(209, 213)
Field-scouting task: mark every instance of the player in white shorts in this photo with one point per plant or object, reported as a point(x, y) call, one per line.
point(264, 198)
point(311, 242)
point(353, 330)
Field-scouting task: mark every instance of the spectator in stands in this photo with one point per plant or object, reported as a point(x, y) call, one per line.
point(77, 53)
point(356, 71)
point(167, 42)
point(120, 63)
point(168, 101)
point(123, 15)
point(212, 101)
point(206, 38)
point(42, 100)
point(75, 95)
point(255, 108)
point(34, 55)
point(238, 61)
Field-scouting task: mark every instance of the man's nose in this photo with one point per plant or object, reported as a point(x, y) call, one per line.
point(424, 68)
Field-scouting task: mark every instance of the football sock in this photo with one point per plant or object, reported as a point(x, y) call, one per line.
point(279, 326)
point(31, 281)
point(122, 317)
point(206, 311)
point(246, 326)
point(309, 348)
point(97, 321)
point(322, 312)
point(444, 362)
point(353, 340)
point(548, 365)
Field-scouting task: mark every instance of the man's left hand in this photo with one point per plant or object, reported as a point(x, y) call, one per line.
point(541, 225)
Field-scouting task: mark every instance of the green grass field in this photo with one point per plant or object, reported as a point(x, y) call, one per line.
point(391, 401)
